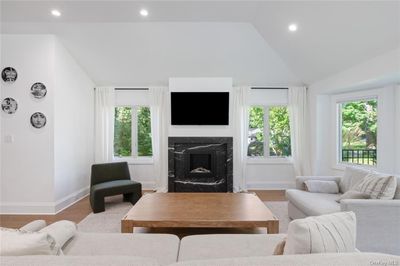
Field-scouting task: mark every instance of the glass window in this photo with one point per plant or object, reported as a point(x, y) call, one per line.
point(132, 132)
point(358, 131)
point(275, 125)
point(123, 131)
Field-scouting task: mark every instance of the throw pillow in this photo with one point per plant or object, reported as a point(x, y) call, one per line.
point(320, 186)
point(280, 247)
point(352, 194)
point(61, 231)
point(16, 242)
point(329, 233)
point(352, 175)
point(34, 226)
point(378, 186)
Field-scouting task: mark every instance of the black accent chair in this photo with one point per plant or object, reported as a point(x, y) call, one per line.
point(111, 179)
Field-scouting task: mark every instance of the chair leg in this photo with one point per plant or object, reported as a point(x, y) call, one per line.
point(132, 197)
point(97, 204)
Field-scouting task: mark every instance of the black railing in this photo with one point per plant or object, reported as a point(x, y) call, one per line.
point(359, 156)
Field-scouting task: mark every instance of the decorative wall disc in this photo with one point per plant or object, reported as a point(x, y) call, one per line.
point(38, 90)
point(9, 105)
point(38, 120)
point(9, 75)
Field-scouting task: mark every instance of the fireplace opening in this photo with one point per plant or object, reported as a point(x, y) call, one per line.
point(200, 163)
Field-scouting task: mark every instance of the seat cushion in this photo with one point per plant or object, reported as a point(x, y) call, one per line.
point(163, 247)
point(115, 187)
point(313, 204)
point(77, 261)
point(198, 247)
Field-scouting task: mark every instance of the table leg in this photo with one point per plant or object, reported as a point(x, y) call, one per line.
point(126, 227)
point(273, 227)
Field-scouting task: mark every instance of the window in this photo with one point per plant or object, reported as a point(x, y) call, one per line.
point(273, 122)
point(132, 132)
point(358, 131)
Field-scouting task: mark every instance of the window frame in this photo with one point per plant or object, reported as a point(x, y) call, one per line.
point(134, 158)
point(266, 158)
point(339, 134)
point(381, 94)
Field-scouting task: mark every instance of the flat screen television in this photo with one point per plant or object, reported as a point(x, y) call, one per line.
point(200, 108)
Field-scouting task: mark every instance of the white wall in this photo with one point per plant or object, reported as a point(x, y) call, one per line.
point(73, 128)
point(397, 128)
point(31, 180)
point(28, 161)
point(379, 72)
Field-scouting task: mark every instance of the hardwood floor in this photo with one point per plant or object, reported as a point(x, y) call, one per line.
point(81, 209)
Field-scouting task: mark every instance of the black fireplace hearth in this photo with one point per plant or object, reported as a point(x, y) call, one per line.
point(200, 164)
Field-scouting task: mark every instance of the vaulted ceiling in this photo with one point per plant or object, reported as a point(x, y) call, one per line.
point(246, 40)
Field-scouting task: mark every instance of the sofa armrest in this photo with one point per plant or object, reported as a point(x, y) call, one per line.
point(34, 226)
point(378, 220)
point(301, 179)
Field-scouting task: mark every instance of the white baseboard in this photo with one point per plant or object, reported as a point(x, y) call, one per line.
point(43, 208)
point(67, 201)
point(148, 185)
point(271, 185)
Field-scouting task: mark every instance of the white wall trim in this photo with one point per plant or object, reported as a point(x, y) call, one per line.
point(43, 208)
point(147, 185)
point(271, 185)
point(70, 199)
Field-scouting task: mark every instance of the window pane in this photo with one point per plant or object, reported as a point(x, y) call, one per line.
point(144, 132)
point(256, 131)
point(123, 131)
point(279, 131)
point(359, 131)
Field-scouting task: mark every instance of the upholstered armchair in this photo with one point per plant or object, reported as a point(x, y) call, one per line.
point(111, 179)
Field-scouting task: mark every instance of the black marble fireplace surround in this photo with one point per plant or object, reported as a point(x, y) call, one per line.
point(200, 164)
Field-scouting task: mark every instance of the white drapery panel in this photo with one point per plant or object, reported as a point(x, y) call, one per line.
point(104, 124)
point(240, 122)
point(298, 112)
point(159, 129)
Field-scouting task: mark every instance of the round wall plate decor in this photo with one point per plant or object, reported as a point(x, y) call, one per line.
point(9, 75)
point(38, 90)
point(38, 120)
point(9, 105)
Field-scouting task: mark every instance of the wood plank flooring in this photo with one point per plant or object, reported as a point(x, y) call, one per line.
point(81, 209)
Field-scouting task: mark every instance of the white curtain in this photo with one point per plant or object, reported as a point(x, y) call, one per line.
point(104, 124)
point(297, 98)
point(240, 125)
point(159, 129)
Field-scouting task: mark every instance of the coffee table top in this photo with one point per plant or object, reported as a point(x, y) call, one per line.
point(199, 210)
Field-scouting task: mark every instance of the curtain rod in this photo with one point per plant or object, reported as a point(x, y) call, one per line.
point(131, 89)
point(268, 88)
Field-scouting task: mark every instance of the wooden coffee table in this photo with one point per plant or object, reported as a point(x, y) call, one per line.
point(196, 210)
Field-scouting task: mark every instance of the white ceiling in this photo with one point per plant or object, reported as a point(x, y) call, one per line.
point(247, 40)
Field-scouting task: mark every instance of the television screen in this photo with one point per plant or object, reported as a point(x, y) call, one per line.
point(200, 108)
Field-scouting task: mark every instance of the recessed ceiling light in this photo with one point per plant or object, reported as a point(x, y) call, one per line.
point(144, 12)
point(292, 27)
point(55, 13)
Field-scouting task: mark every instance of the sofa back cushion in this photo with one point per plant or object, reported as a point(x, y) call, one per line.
point(378, 186)
point(397, 193)
point(329, 233)
point(352, 176)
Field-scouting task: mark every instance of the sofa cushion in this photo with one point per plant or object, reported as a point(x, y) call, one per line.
point(329, 233)
point(313, 204)
point(352, 194)
point(327, 259)
point(34, 226)
point(397, 194)
point(14, 242)
point(78, 261)
point(61, 231)
point(197, 247)
point(352, 176)
point(320, 186)
point(163, 247)
point(378, 186)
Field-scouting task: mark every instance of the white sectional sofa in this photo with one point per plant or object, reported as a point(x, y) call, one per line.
point(378, 221)
point(87, 249)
